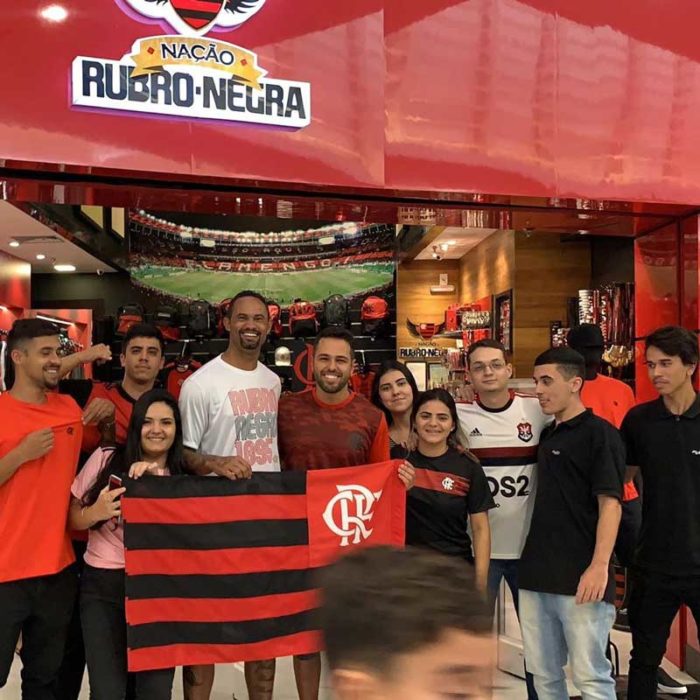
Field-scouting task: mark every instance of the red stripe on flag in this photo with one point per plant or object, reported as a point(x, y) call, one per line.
point(150, 658)
point(441, 481)
point(242, 560)
point(213, 509)
point(141, 612)
point(495, 452)
point(200, 5)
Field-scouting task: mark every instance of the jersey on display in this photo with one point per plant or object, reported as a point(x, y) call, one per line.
point(315, 435)
point(177, 372)
point(361, 383)
point(446, 491)
point(505, 442)
point(230, 412)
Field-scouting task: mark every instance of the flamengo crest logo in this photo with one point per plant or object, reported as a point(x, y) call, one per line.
point(525, 431)
point(349, 513)
point(191, 76)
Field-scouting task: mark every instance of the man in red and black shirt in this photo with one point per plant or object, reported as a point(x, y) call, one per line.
point(329, 427)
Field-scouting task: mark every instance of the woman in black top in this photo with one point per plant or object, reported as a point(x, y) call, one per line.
point(450, 487)
point(394, 392)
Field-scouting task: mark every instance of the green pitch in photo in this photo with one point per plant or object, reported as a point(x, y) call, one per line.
point(283, 287)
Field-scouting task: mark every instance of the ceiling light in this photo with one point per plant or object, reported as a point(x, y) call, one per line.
point(54, 13)
point(61, 267)
point(444, 246)
point(40, 256)
point(14, 244)
point(54, 320)
point(451, 242)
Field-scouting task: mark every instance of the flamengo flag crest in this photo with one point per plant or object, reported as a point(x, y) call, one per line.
point(221, 571)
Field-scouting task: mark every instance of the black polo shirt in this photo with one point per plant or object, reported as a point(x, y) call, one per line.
point(577, 461)
point(666, 448)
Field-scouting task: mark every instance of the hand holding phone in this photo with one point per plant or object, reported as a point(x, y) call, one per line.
point(107, 505)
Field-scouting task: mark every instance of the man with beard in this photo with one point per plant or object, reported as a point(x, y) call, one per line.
point(229, 422)
point(40, 435)
point(326, 427)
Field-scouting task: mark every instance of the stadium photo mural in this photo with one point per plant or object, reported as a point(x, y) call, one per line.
point(189, 263)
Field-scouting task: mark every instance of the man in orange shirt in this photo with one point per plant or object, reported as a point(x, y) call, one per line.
point(607, 397)
point(40, 436)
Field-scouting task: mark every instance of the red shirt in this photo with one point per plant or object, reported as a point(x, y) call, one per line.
point(608, 398)
point(34, 500)
point(177, 373)
point(123, 405)
point(316, 435)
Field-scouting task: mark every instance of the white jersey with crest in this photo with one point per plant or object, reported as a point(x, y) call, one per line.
point(505, 442)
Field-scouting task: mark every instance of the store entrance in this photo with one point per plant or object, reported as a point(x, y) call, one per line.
point(415, 280)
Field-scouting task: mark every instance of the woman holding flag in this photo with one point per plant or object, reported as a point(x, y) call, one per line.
point(153, 446)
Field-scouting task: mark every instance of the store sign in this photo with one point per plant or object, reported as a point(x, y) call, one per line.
point(188, 75)
point(427, 352)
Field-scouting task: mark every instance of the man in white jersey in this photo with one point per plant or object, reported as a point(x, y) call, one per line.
point(503, 428)
point(229, 423)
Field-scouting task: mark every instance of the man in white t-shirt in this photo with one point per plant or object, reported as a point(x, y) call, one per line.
point(229, 422)
point(503, 428)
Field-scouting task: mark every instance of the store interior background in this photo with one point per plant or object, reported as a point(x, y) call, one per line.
point(541, 256)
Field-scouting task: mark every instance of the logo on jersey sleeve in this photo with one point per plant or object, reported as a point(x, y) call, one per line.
point(524, 431)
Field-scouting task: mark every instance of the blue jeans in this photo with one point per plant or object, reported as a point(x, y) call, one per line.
point(508, 569)
point(556, 629)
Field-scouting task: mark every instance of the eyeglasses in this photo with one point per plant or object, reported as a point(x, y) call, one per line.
point(495, 366)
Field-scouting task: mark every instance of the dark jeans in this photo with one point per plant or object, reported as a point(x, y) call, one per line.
point(104, 631)
point(654, 602)
point(40, 608)
point(508, 569)
point(70, 675)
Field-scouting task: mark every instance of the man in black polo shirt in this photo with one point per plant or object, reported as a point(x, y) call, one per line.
point(663, 440)
point(566, 586)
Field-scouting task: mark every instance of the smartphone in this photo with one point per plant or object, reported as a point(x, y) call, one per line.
point(115, 482)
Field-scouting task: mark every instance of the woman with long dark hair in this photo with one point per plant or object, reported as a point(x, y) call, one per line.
point(153, 446)
point(394, 392)
point(450, 489)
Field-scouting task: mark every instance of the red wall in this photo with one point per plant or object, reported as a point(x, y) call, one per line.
point(537, 97)
point(15, 289)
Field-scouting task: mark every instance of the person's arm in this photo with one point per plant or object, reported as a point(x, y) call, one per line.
point(379, 451)
point(230, 467)
point(99, 352)
point(481, 542)
point(34, 446)
point(594, 580)
point(106, 507)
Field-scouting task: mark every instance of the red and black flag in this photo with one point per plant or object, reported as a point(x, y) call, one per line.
point(221, 571)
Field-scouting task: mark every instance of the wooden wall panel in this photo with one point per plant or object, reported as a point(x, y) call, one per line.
point(488, 268)
point(547, 273)
point(415, 301)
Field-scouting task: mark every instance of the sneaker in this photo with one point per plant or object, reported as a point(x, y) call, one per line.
point(668, 686)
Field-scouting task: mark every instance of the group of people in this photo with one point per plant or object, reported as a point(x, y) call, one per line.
point(506, 486)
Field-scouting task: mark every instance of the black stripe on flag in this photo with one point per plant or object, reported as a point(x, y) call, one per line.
point(246, 533)
point(218, 586)
point(247, 632)
point(184, 486)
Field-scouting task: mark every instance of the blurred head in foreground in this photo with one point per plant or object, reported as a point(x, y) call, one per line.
point(406, 624)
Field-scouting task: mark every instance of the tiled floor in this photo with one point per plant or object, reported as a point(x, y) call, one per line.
point(229, 680)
